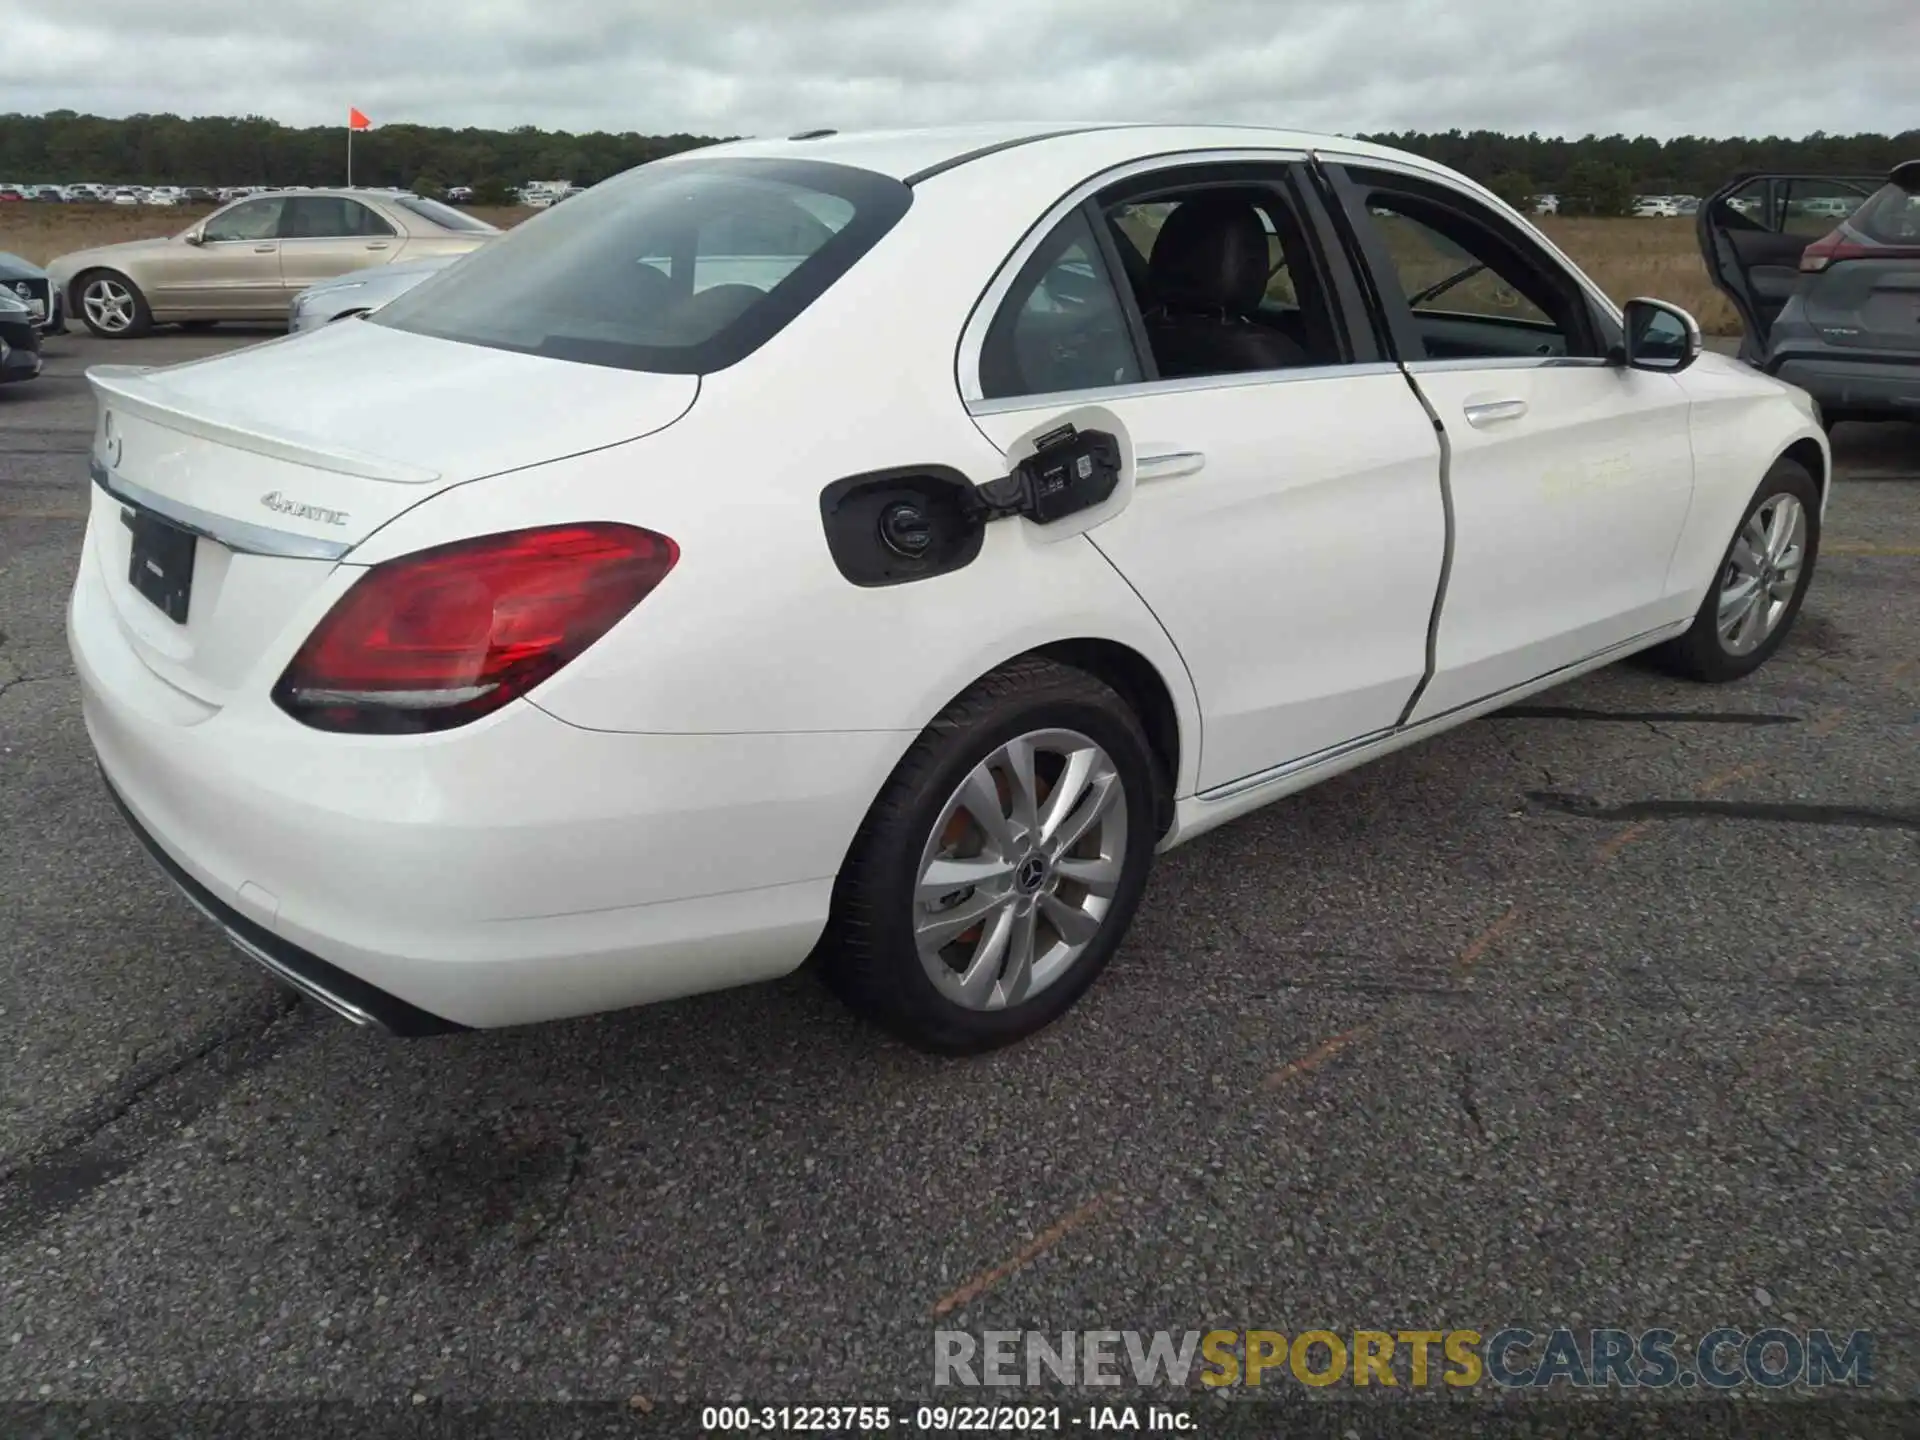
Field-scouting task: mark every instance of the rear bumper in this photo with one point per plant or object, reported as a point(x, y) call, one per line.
point(344, 994)
point(517, 870)
point(1846, 386)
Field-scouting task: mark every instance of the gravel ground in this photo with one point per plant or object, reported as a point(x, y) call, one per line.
point(1597, 1013)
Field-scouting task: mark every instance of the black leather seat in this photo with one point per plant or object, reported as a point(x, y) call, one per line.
point(1207, 275)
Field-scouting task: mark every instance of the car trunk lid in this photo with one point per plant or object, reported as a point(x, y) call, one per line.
point(279, 459)
point(1868, 304)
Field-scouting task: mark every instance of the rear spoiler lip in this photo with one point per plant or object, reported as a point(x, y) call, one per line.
point(134, 389)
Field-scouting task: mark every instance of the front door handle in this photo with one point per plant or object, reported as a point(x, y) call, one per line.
point(265, 249)
point(1166, 464)
point(1490, 412)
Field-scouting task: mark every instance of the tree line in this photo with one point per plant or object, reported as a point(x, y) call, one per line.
point(1595, 174)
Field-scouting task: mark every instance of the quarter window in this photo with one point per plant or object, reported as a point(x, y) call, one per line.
point(1061, 327)
point(445, 216)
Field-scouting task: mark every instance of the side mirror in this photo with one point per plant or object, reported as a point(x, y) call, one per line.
point(1660, 337)
point(195, 236)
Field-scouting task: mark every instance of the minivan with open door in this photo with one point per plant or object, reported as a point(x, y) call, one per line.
point(1825, 273)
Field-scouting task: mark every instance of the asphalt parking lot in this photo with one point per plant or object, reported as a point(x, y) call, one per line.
point(1598, 1013)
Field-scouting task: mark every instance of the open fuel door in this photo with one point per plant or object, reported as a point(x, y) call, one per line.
point(1752, 233)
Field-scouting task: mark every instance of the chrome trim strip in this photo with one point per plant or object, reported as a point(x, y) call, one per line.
point(239, 535)
point(967, 157)
point(1508, 362)
point(1106, 394)
point(973, 338)
point(342, 1008)
point(1292, 768)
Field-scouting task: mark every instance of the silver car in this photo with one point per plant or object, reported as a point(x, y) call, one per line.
point(359, 292)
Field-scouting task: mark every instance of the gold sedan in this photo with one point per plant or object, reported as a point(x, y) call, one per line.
point(248, 260)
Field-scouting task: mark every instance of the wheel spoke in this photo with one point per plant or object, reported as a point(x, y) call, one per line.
point(1100, 876)
point(1781, 527)
point(1734, 616)
point(944, 876)
point(980, 798)
point(1753, 624)
point(1735, 599)
point(1023, 789)
point(1075, 926)
point(983, 971)
point(1067, 790)
point(939, 928)
point(1017, 973)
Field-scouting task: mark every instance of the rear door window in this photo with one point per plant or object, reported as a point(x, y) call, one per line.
point(681, 267)
point(329, 217)
point(1815, 207)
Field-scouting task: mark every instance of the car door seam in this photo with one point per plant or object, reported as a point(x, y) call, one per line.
point(1193, 686)
point(1446, 551)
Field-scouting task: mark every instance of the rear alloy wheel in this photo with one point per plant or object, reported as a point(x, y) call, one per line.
point(1001, 865)
point(1762, 580)
point(113, 307)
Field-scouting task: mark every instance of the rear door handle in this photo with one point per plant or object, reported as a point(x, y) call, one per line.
point(1166, 464)
point(376, 245)
point(1490, 412)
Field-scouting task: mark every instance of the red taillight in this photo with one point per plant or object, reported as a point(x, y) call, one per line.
point(1830, 249)
point(442, 637)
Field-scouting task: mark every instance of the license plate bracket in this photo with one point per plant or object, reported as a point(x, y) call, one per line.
point(160, 562)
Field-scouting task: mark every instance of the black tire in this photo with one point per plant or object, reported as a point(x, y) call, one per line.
point(1700, 654)
point(142, 321)
point(868, 955)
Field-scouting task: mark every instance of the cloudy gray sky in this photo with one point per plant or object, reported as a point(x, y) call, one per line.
point(1659, 67)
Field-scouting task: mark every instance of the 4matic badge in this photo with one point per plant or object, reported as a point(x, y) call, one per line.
point(279, 503)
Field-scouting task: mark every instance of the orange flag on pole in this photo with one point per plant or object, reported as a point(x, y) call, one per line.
point(357, 121)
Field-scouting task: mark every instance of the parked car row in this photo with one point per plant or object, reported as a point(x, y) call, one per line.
point(1835, 310)
point(164, 196)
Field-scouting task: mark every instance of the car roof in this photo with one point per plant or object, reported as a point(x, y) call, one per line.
point(911, 155)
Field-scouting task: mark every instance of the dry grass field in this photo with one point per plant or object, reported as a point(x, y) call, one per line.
point(1625, 257)
point(1659, 258)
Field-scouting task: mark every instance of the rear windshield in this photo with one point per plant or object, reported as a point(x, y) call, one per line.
point(445, 216)
point(1891, 216)
point(682, 266)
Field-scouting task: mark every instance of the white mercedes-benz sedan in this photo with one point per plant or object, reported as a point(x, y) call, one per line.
point(876, 548)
